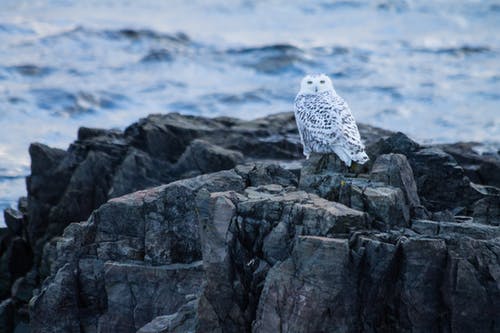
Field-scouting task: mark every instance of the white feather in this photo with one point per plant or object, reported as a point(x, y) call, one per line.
point(325, 121)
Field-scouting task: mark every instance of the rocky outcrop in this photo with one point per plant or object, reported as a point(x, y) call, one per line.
point(400, 244)
point(276, 261)
point(243, 235)
point(136, 258)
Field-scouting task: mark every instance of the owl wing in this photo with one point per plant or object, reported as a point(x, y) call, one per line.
point(350, 131)
point(317, 122)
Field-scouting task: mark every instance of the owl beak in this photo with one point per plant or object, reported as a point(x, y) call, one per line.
point(315, 89)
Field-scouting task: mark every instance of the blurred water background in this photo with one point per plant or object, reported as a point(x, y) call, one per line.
point(428, 68)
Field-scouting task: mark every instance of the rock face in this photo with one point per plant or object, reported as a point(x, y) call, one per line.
point(407, 242)
point(136, 258)
point(243, 235)
point(281, 260)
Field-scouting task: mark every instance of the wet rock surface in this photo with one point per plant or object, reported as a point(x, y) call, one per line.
point(407, 242)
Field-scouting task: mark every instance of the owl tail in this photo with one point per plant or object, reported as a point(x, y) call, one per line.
point(361, 158)
point(343, 154)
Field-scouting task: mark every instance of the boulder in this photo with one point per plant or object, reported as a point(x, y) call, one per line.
point(7, 315)
point(138, 293)
point(204, 157)
point(441, 182)
point(394, 170)
point(327, 176)
point(136, 258)
point(243, 235)
point(183, 321)
point(310, 291)
point(481, 168)
point(487, 210)
point(138, 171)
point(14, 220)
point(55, 308)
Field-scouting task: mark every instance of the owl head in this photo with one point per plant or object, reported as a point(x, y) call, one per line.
point(315, 83)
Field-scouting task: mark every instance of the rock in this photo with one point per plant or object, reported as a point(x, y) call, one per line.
point(387, 204)
point(265, 173)
point(472, 271)
point(22, 289)
point(162, 290)
point(326, 176)
point(136, 258)
point(56, 307)
point(138, 171)
point(245, 233)
point(19, 258)
point(394, 170)
point(14, 220)
point(45, 186)
point(480, 168)
point(66, 186)
point(264, 245)
point(376, 280)
point(7, 315)
point(397, 143)
point(87, 189)
point(22, 205)
point(205, 157)
point(309, 292)
point(420, 307)
point(183, 321)
point(441, 182)
point(91, 291)
point(451, 230)
point(487, 210)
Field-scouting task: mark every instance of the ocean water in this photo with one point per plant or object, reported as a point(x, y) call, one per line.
point(428, 68)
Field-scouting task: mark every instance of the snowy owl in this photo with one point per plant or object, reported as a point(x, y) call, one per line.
point(325, 121)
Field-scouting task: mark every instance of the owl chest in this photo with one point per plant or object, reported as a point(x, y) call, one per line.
point(317, 114)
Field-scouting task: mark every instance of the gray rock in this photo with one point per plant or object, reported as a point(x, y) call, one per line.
point(470, 287)
point(420, 307)
point(452, 230)
point(242, 235)
point(441, 182)
point(487, 211)
point(91, 292)
point(397, 143)
point(387, 204)
point(256, 174)
point(138, 293)
point(15, 261)
point(66, 186)
point(14, 220)
point(22, 289)
point(273, 257)
point(204, 157)
point(55, 308)
point(136, 258)
point(183, 321)
point(325, 175)
point(309, 292)
point(138, 171)
point(7, 315)
point(480, 168)
point(376, 280)
point(394, 170)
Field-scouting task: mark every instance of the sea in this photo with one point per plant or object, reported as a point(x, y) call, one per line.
point(429, 68)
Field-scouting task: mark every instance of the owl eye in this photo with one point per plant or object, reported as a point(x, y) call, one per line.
point(309, 82)
point(322, 81)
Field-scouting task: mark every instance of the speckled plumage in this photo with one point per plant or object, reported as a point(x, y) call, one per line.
point(325, 121)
